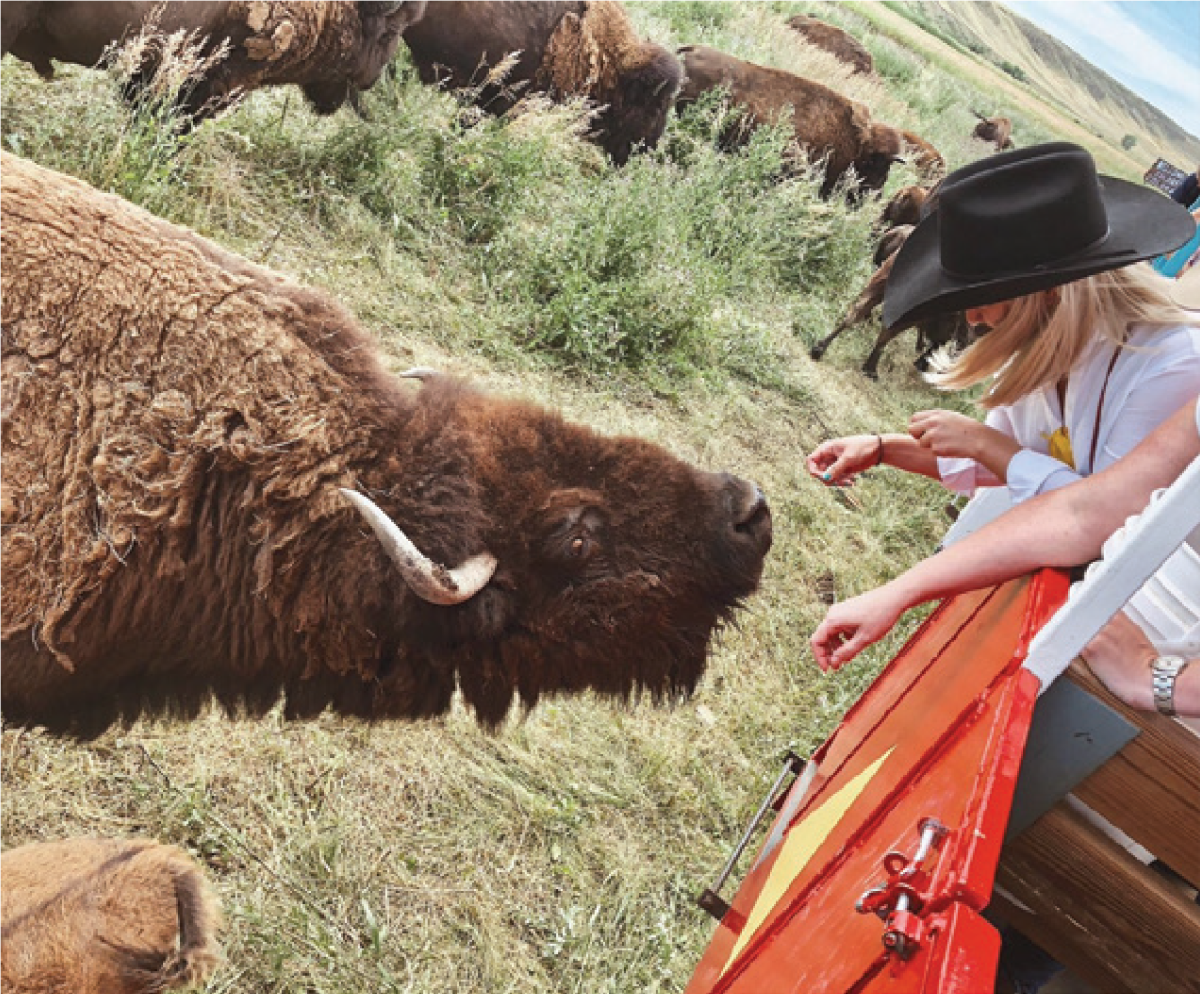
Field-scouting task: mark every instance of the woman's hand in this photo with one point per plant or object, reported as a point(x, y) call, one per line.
point(851, 626)
point(839, 460)
point(1121, 656)
point(949, 435)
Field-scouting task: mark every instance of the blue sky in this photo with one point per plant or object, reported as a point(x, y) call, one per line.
point(1151, 46)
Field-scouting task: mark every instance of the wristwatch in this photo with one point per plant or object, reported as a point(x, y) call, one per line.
point(1163, 673)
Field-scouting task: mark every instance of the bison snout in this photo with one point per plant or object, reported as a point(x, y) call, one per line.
point(750, 513)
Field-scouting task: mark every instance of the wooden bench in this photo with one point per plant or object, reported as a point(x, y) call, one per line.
point(1116, 923)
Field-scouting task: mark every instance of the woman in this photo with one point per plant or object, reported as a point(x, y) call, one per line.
point(1060, 529)
point(1083, 353)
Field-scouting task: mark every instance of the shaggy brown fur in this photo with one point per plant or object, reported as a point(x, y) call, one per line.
point(586, 49)
point(932, 333)
point(929, 161)
point(904, 208)
point(177, 424)
point(841, 44)
point(827, 125)
point(332, 50)
point(98, 916)
point(997, 130)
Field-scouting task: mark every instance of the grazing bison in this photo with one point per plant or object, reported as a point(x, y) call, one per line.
point(586, 49)
point(932, 333)
point(904, 208)
point(841, 44)
point(827, 125)
point(187, 440)
point(331, 50)
point(928, 160)
point(98, 916)
point(997, 130)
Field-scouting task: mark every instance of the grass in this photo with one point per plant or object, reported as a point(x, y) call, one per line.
point(674, 299)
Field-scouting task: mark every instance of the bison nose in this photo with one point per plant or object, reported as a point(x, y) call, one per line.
point(752, 516)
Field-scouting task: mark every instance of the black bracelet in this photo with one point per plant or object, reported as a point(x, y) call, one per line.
point(879, 451)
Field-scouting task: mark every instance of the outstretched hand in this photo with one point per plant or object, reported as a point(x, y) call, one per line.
point(838, 461)
point(851, 626)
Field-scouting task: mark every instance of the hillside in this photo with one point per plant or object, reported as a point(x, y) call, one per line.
point(1058, 75)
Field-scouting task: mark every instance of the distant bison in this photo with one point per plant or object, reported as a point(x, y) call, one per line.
point(929, 162)
point(94, 916)
point(997, 130)
point(932, 333)
point(586, 49)
point(841, 44)
point(187, 442)
point(827, 125)
point(331, 50)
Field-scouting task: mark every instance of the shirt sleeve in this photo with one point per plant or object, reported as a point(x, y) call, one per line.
point(965, 476)
point(1031, 473)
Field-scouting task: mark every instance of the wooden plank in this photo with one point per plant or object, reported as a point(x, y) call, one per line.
point(1085, 900)
point(1150, 790)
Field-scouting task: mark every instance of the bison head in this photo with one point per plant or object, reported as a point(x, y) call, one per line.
point(591, 562)
point(381, 26)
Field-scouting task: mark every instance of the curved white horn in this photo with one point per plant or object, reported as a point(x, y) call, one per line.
point(421, 373)
point(428, 580)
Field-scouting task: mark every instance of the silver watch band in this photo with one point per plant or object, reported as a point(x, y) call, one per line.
point(1163, 674)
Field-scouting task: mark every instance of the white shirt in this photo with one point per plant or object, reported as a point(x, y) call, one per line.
point(1157, 372)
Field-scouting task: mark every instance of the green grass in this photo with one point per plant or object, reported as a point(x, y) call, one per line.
point(675, 299)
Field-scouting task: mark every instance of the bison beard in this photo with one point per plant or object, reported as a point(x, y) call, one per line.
point(177, 426)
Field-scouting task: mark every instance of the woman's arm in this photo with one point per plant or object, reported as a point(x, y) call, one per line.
point(1063, 528)
point(1121, 656)
point(839, 460)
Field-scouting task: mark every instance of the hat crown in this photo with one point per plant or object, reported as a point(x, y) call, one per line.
point(1020, 211)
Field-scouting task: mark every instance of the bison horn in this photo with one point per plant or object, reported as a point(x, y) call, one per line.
point(421, 373)
point(427, 579)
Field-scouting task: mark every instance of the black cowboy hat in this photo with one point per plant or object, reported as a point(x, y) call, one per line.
point(1023, 221)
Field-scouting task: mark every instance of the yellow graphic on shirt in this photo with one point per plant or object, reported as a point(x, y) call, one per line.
point(1060, 446)
point(802, 841)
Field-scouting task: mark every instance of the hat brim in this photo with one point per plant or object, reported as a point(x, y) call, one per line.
point(1142, 223)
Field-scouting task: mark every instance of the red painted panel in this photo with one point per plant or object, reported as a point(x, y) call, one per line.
point(939, 734)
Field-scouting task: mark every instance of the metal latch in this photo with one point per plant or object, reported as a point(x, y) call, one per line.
point(710, 899)
point(901, 897)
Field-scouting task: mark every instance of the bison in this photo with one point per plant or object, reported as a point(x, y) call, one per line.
point(827, 125)
point(586, 49)
point(99, 916)
point(903, 209)
point(932, 333)
point(997, 130)
point(838, 43)
point(199, 454)
point(331, 50)
point(929, 162)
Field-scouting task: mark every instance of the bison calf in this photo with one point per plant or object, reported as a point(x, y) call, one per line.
point(827, 125)
point(212, 486)
point(932, 333)
point(586, 49)
point(332, 50)
point(98, 916)
point(997, 130)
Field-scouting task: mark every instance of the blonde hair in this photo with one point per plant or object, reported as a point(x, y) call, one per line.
point(1044, 334)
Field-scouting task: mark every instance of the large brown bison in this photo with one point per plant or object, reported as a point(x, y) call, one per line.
point(827, 125)
point(837, 42)
point(188, 443)
point(94, 916)
point(997, 130)
point(932, 333)
point(586, 49)
point(331, 50)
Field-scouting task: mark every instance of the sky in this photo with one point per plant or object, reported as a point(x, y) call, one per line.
point(1152, 46)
